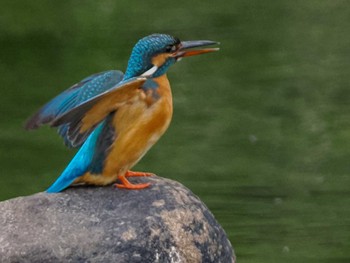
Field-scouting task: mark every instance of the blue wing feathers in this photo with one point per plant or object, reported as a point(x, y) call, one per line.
point(73, 118)
point(62, 131)
point(103, 145)
point(71, 98)
point(94, 143)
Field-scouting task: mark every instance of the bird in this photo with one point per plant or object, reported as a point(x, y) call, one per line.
point(113, 118)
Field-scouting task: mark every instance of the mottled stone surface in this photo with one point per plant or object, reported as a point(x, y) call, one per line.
point(164, 223)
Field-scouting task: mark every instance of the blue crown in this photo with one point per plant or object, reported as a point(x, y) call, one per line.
point(145, 49)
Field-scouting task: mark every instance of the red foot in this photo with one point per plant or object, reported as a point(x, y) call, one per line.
point(125, 184)
point(135, 174)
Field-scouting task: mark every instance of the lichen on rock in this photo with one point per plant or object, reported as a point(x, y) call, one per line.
point(164, 223)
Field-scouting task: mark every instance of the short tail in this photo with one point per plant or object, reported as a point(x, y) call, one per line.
point(61, 183)
point(76, 168)
point(79, 164)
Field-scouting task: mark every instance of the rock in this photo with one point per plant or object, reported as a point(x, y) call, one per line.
point(164, 223)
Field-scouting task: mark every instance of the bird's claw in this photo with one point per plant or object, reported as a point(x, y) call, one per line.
point(125, 184)
point(137, 174)
point(131, 186)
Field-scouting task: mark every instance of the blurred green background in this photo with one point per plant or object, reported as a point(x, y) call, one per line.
point(261, 129)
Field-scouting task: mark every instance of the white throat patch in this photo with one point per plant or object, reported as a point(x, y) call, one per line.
point(150, 72)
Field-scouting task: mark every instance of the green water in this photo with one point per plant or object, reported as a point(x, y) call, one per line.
point(261, 129)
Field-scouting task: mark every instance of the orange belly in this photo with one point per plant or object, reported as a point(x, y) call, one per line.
point(138, 126)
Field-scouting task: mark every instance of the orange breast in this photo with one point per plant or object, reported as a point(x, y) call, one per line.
point(139, 125)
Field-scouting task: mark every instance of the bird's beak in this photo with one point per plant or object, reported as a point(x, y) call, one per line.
point(186, 48)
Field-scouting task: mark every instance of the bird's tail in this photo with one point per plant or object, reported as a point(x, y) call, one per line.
point(62, 182)
point(79, 164)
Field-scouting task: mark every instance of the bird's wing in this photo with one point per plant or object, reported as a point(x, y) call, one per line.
point(102, 147)
point(82, 119)
point(76, 95)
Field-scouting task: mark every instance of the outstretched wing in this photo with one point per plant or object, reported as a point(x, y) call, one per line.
point(76, 95)
point(83, 119)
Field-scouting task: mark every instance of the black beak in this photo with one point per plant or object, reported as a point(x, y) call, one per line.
point(186, 48)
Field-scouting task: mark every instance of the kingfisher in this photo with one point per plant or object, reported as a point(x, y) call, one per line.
point(115, 118)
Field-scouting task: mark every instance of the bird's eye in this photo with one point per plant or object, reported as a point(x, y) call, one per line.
point(170, 48)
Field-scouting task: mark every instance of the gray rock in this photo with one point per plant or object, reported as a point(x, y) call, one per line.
point(164, 223)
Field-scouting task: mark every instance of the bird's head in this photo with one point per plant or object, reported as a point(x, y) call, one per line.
point(153, 55)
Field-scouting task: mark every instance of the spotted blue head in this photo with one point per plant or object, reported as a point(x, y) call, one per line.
point(154, 54)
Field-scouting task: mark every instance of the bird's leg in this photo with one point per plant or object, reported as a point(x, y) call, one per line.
point(136, 174)
point(125, 184)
